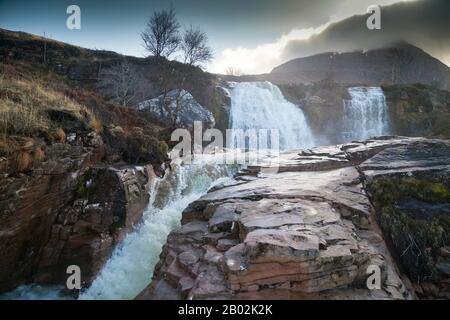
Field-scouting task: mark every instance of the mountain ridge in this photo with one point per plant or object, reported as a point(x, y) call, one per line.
point(400, 63)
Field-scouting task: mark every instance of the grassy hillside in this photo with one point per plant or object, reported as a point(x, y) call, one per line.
point(39, 107)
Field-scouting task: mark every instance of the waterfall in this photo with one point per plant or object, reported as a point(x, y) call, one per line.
point(129, 270)
point(261, 105)
point(365, 115)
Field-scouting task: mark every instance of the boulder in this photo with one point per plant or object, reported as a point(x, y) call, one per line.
point(178, 107)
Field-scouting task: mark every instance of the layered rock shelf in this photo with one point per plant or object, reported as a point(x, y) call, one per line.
point(311, 230)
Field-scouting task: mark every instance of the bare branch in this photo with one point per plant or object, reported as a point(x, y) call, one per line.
point(195, 46)
point(120, 82)
point(161, 36)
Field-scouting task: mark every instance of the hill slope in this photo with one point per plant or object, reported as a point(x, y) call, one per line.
point(400, 64)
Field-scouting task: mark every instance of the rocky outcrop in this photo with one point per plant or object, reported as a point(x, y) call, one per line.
point(410, 189)
point(221, 106)
point(108, 202)
point(418, 110)
point(66, 210)
point(307, 231)
point(178, 107)
point(31, 201)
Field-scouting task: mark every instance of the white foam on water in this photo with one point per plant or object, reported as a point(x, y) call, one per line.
point(261, 105)
point(130, 268)
point(365, 115)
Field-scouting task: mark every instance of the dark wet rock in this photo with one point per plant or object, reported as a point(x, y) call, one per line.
point(108, 203)
point(67, 211)
point(410, 189)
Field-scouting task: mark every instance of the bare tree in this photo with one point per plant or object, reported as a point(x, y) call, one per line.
point(121, 82)
point(195, 46)
point(171, 82)
point(161, 35)
point(45, 49)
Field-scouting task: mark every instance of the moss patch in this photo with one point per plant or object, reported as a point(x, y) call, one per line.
point(415, 240)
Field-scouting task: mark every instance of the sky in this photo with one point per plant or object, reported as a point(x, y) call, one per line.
point(249, 35)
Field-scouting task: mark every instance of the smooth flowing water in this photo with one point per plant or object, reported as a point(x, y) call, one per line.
point(261, 105)
point(365, 115)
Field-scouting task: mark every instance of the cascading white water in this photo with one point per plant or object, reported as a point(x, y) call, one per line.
point(130, 268)
point(365, 115)
point(261, 105)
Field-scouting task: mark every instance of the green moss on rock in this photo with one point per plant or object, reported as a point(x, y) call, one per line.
point(415, 239)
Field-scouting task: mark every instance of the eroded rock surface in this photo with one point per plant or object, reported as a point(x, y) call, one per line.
point(66, 211)
point(308, 231)
point(108, 202)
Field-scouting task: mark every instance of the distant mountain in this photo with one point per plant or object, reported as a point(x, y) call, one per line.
point(399, 64)
point(422, 23)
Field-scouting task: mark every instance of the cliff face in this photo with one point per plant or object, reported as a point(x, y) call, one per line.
point(314, 235)
point(68, 210)
point(30, 203)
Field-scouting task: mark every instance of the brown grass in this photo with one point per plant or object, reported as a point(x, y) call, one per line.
point(23, 161)
point(39, 154)
point(4, 147)
point(60, 135)
point(95, 124)
point(24, 105)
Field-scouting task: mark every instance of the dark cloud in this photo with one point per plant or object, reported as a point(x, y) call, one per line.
point(116, 25)
point(424, 23)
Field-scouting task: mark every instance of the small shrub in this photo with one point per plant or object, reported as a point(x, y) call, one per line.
point(117, 131)
point(95, 124)
point(39, 155)
point(23, 161)
point(60, 135)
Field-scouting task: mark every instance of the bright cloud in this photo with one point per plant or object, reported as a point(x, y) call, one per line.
point(262, 58)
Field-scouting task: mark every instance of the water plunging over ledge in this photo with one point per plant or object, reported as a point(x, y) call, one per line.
point(365, 115)
point(261, 105)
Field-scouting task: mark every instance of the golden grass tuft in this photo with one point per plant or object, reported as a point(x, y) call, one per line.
point(95, 124)
point(60, 135)
point(24, 106)
point(39, 154)
point(23, 161)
